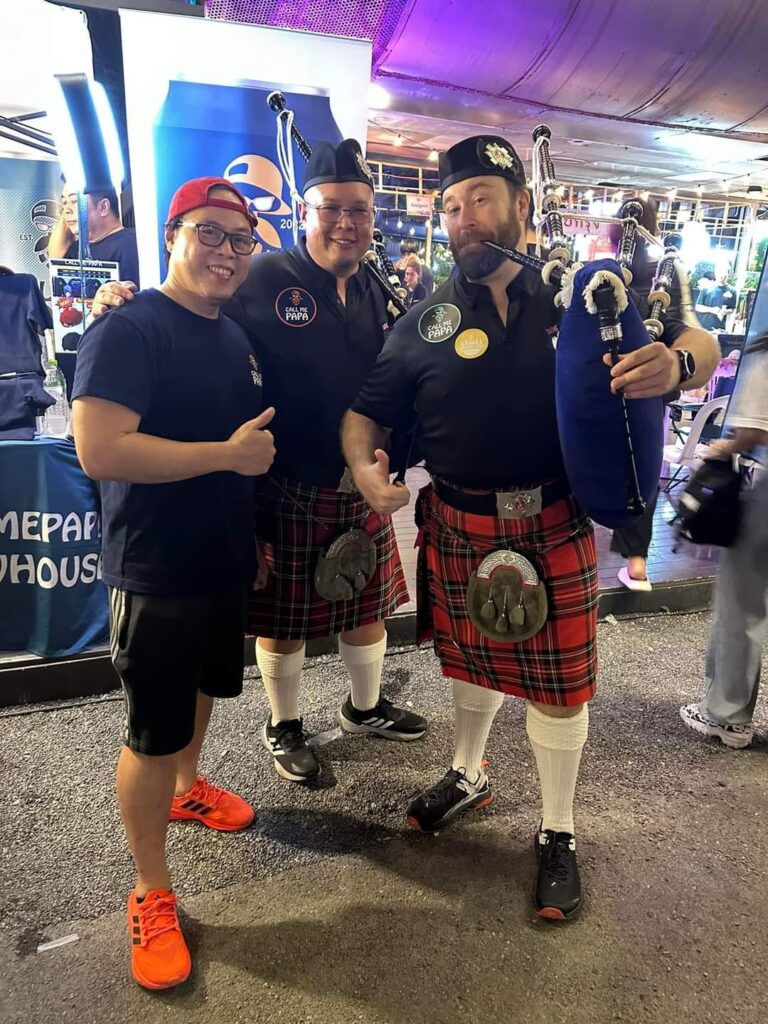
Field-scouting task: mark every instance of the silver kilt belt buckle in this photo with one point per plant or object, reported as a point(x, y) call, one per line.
point(518, 504)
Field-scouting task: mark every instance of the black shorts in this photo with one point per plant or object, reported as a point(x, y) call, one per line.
point(165, 650)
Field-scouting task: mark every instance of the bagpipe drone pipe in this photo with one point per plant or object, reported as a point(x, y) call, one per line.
point(612, 446)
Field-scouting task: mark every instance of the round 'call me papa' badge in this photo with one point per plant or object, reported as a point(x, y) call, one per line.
point(439, 322)
point(295, 307)
point(471, 343)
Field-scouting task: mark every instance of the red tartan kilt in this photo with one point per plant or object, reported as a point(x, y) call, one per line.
point(288, 607)
point(557, 665)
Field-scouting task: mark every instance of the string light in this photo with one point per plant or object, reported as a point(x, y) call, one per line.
point(398, 140)
point(433, 155)
point(399, 225)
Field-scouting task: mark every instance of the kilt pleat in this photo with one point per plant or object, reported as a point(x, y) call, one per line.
point(288, 607)
point(557, 665)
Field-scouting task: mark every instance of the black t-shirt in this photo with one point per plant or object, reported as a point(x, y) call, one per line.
point(716, 297)
point(315, 353)
point(484, 393)
point(23, 318)
point(190, 379)
point(117, 248)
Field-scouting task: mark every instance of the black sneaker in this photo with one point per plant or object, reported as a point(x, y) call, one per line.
point(287, 743)
point(382, 720)
point(558, 886)
point(453, 794)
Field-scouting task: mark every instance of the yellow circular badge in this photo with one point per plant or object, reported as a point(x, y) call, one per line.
point(471, 343)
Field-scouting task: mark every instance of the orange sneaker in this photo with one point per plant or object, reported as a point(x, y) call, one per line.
point(159, 954)
point(217, 808)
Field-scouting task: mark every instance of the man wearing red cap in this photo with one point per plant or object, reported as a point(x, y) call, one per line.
point(167, 413)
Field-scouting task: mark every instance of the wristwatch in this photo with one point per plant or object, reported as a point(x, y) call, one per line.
point(687, 365)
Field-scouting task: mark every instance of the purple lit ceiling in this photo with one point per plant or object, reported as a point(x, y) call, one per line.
point(654, 93)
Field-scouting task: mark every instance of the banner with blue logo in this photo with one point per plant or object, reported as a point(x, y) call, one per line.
point(30, 191)
point(196, 97)
point(53, 600)
point(230, 132)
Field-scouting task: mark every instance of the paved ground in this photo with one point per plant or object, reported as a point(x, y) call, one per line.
point(327, 911)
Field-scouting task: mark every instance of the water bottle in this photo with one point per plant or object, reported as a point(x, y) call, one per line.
point(56, 419)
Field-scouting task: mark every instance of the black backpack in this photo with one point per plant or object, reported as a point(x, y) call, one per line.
point(710, 506)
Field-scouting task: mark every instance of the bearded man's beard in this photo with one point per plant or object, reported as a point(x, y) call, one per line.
point(477, 261)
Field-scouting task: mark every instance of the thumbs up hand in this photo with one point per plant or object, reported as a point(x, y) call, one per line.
point(373, 483)
point(252, 448)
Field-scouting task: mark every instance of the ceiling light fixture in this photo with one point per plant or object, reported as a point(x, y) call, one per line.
point(378, 97)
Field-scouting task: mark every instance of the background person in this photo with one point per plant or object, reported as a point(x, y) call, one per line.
point(109, 240)
point(740, 618)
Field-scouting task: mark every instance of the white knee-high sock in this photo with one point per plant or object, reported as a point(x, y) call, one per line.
point(557, 744)
point(475, 708)
point(365, 665)
point(280, 674)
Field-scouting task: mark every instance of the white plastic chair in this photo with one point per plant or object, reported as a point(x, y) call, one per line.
point(683, 456)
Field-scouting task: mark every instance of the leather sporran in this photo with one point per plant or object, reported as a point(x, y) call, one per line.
point(345, 566)
point(506, 600)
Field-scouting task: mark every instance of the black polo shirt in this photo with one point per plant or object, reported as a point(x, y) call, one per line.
point(484, 391)
point(314, 351)
point(716, 297)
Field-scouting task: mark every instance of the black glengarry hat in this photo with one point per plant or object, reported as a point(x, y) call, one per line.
point(341, 163)
point(480, 155)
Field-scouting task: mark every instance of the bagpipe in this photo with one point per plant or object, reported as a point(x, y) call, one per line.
point(612, 447)
point(377, 264)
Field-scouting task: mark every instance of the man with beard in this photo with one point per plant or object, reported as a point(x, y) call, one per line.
point(478, 363)
point(317, 324)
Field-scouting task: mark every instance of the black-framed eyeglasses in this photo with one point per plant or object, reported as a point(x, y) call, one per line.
point(331, 213)
point(212, 235)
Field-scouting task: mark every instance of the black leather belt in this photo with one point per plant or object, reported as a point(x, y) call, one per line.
point(485, 503)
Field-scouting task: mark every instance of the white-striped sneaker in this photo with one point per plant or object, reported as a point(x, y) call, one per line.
point(384, 719)
point(736, 736)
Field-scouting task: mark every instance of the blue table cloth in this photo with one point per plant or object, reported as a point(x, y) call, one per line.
point(52, 599)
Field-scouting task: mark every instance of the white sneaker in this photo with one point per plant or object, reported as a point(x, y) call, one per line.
point(736, 736)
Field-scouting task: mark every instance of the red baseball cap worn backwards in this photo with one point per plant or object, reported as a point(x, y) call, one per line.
point(196, 193)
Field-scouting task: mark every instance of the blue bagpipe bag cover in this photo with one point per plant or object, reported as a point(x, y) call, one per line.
point(589, 415)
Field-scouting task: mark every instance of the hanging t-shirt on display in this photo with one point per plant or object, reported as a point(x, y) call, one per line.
point(23, 318)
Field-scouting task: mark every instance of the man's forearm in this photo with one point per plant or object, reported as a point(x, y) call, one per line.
point(360, 437)
point(706, 352)
point(143, 459)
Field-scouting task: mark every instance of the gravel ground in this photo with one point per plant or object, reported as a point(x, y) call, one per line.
point(354, 920)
